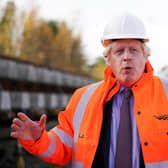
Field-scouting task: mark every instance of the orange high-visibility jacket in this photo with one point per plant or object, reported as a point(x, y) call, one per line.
point(77, 135)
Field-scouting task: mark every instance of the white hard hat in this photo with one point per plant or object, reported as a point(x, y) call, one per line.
point(124, 26)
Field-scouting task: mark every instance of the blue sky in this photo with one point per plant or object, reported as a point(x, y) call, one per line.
point(88, 17)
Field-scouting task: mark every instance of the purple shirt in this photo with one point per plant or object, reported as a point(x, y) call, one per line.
point(117, 101)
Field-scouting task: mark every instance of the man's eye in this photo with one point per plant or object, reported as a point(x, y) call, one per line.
point(133, 50)
point(120, 51)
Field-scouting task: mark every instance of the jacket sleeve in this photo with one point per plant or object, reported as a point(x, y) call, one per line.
point(56, 145)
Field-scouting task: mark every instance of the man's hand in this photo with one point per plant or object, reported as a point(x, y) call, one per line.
point(26, 129)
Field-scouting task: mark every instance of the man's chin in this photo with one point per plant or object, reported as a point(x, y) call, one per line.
point(128, 82)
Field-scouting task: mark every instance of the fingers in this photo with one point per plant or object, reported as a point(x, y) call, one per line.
point(25, 128)
point(18, 125)
point(17, 130)
point(14, 135)
point(15, 127)
point(18, 122)
point(42, 122)
point(23, 117)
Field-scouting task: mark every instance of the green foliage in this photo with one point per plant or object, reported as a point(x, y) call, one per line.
point(97, 69)
point(6, 31)
point(69, 49)
point(54, 27)
point(37, 44)
point(47, 43)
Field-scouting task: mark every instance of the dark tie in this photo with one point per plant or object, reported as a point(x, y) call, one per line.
point(124, 140)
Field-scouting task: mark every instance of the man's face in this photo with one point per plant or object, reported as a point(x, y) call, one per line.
point(127, 61)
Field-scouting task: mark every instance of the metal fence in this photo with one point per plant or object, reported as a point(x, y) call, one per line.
point(33, 90)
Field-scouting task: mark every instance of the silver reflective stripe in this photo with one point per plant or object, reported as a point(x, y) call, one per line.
point(63, 136)
point(80, 109)
point(163, 164)
point(77, 164)
point(165, 84)
point(78, 116)
point(51, 149)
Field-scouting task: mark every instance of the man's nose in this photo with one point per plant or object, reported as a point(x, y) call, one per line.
point(127, 55)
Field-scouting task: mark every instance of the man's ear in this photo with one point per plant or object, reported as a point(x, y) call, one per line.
point(105, 43)
point(147, 51)
point(107, 51)
point(107, 59)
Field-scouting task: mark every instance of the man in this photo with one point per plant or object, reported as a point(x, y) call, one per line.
point(117, 123)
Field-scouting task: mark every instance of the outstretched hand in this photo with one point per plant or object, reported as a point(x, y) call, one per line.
point(26, 129)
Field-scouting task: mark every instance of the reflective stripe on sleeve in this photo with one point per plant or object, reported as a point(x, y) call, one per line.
point(78, 164)
point(163, 164)
point(165, 84)
point(51, 149)
point(63, 136)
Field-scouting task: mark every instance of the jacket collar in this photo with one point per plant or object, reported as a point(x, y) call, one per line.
point(111, 86)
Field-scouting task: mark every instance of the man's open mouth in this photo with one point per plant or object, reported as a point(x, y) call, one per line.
point(127, 68)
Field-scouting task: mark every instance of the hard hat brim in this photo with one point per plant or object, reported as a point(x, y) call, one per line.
point(106, 40)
